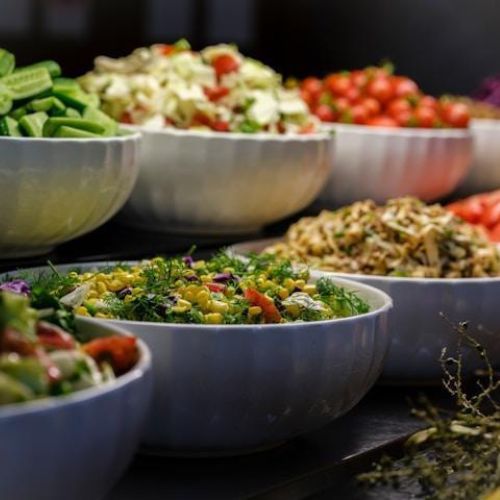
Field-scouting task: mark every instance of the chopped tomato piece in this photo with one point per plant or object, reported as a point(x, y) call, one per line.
point(216, 93)
point(216, 287)
point(220, 126)
point(491, 215)
point(120, 352)
point(224, 64)
point(270, 311)
point(53, 337)
point(202, 119)
point(53, 372)
point(495, 233)
point(13, 341)
point(308, 128)
point(166, 49)
point(126, 118)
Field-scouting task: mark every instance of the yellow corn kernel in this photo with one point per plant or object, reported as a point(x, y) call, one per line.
point(206, 278)
point(293, 310)
point(261, 282)
point(82, 311)
point(128, 298)
point(101, 287)
point(137, 290)
point(300, 284)
point(101, 315)
point(116, 285)
point(217, 306)
point(254, 310)
point(189, 295)
point(199, 264)
point(283, 293)
point(182, 306)
point(203, 296)
point(92, 294)
point(213, 318)
point(309, 289)
point(289, 284)
point(228, 270)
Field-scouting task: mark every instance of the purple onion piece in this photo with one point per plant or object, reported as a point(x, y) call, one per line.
point(192, 277)
point(188, 260)
point(224, 278)
point(124, 291)
point(20, 287)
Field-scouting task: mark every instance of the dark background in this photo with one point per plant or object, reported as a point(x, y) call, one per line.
point(446, 45)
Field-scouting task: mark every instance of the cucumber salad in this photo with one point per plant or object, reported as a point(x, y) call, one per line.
point(35, 101)
point(222, 290)
point(215, 89)
point(39, 359)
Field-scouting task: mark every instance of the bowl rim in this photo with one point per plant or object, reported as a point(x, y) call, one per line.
point(56, 402)
point(485, 123)
point(441, 133)
point(320, 136)
point(386, 304)
point(129, 136)
point(370, 277)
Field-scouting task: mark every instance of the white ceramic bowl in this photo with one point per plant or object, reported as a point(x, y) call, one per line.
point(381, 163)
point(484, 174)
point(53, 190)
point(224, 389)
point(216, 183)
point(75, 447)
point(418, 332)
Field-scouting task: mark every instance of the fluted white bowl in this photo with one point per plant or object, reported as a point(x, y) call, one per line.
point(76, 446)
point(417, 329)
point(381, 163)
point(228, 389)
point(484, 174)
point(53, 190)
point(209, 182)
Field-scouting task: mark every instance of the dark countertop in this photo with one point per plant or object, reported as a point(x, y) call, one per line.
point(321, 465)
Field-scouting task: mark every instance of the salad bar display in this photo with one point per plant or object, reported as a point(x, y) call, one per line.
point(361, 279)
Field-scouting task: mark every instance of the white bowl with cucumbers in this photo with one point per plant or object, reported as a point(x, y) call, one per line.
point(65, 167)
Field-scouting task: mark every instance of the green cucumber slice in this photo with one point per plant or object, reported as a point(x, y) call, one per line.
point(24, 83)
point(32, 125)
point(65, 85)
point(7, 62)
point(9, 127)
point(72, 113)
point(77, 99)
point(71, 132)
point(51, 66)
point(95, 115)
point(46, 104)
point(52, 124)
point(18, 113)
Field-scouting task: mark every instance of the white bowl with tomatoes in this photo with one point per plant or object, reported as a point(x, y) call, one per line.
point(390, 139)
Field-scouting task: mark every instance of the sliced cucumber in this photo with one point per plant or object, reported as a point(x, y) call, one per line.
point(7, 62)
point(18, 113)
point(9, 127)
point(65, 85)
point(72, 113)
point(47, 104)
point(24, 83)
point(33, 124)
point(77, 99)
point(95, 115)
point(72, 132)
point(51, 66)
point(53, 124)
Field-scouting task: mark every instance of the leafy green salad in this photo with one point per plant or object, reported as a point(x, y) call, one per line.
point(222, 290)
point(35, 101)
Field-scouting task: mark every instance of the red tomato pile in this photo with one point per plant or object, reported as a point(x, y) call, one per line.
point(481, 209)
point(374, 96)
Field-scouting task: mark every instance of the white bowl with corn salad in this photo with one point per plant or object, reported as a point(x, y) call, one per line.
point(245, 354)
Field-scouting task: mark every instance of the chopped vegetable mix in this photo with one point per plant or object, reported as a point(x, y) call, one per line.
point(222, 290)
point(36, 102)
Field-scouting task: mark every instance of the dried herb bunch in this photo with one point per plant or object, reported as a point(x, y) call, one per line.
point(457, 455)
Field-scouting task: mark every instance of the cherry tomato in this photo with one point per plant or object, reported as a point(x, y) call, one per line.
point(469, 210)
point(372, 105)
point(313, 86)
point(403, 86)
point(398, 106)
point(495, 233)
point(359, 114)
point(53, 337)
point(325, 113)
point(382, 121)
point(405, 118)
point(338, 84)
point(307, 98)
point(353, 95)
point(380, 88)
point(120, 352)
point(491, 215)
point(340, 105)
point(359, 78)
point(425, 117)
point(225, 63)
point(269, 310)
point(455, 114)
point(220, 126)
point(428, 101)
point(216, 93)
